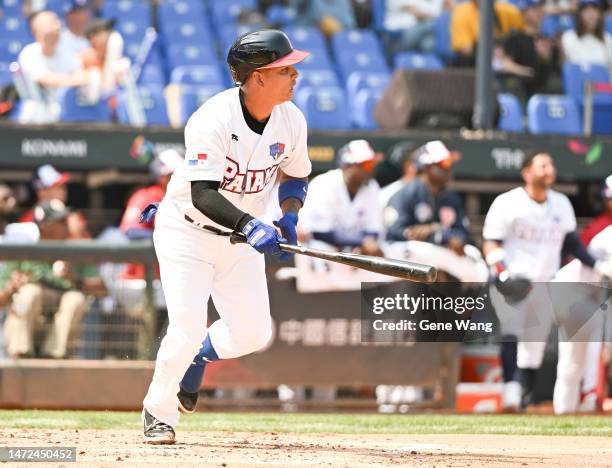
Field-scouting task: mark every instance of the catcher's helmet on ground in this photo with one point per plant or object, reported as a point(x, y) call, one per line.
point(267, 48)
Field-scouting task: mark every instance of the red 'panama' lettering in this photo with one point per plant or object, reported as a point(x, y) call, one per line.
point(256, 179)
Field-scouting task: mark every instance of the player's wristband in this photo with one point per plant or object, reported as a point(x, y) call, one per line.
point(294, 188)
point(495, 259)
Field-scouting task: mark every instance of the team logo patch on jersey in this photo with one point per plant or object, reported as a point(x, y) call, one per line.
point(276, 150)
point(196, 159)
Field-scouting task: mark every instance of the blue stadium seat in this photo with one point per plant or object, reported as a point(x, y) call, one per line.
point(348, 63)
point(9, 49)
point(153, 102)
point(119, 9)
point(511, 118)
point(315, 78)
point(442, 35)
point(132, 30)
point(359, 80)
point(378, 14)
point(6, 76)
point(192, 97)
point(180, 54)
point(74, 108)
point(179, 11)
point(556, 24)
point(324, 107)
point(281, 15)
point(575, 76)
point(15, 27)
point(306, 38)
point(197, 75)
point(229, 33)
point(131, 50)
point(317, 60)
point(356, 40)
point(609, 24)
point(11, 7)
point(193, 31)
point(152, 75)
point(57, 6)
point(363, 105)
point(415, 60)
point(553, 114)
point(226, 11)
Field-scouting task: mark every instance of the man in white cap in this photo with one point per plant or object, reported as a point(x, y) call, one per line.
point(50, 184)
point(342, 208)
point(425, 210)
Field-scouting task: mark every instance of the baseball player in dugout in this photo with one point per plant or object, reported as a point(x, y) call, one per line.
point(525, 233)
point(239, 145)
point(425, 209)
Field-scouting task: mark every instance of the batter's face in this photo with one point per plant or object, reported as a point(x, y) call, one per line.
point(279, 82)
point(541, 173)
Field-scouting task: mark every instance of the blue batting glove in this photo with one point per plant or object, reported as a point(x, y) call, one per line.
point(288, 227)
point(262, 237)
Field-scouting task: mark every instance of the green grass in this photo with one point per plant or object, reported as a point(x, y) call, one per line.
point(330, 423)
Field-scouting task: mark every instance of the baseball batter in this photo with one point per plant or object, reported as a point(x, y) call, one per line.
point(525, 232)
point(238, 145)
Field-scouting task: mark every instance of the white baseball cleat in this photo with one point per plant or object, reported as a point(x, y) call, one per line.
point(156, 432)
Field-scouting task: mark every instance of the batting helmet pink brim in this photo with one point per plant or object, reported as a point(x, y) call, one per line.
point(290, 59)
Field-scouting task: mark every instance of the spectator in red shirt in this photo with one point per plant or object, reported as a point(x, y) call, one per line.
point(605, 217)
point(162, 168)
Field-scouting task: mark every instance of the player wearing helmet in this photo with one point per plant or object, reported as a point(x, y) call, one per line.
point(239, 144)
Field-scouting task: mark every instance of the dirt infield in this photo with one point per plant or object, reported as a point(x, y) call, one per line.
point(233, 449)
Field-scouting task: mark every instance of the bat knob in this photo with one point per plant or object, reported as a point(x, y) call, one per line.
point(237, 238)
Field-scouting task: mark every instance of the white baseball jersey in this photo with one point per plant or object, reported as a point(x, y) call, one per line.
point(329, 207)
point(221, 147)
point(532, 232)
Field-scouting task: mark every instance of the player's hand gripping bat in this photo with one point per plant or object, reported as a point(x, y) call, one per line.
point(385, 266)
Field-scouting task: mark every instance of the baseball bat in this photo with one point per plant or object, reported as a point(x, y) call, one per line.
point(398, 268)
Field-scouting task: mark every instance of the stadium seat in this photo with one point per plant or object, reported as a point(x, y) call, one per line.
point(152, 75)
point(126, 9)
point(378, 14)
point(609, 24)
point(354, 41)
point(575, 76)
point(9, 49)
point(511, 118)
point(11, 7)
point(180, 54)
point(179, 11)
point(153, 102)
point(415, 60)
point(348, 63)
point(229, 33)
point(442, 35)
point(324, 107)
point(132, 30)
point(280, 15)
point(197, 75)
point(6, 77)
point(306, 38)
point(193, 31)
point(553, 114)
point(362, 106)
point(14, 27)
point(359, 80)
point(193, 97)
point(74, 108)
point(226, 11)
point(316, 77)
point(317, 60)
point(132, 49)
point(556, 24)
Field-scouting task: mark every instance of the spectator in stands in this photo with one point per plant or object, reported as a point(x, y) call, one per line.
point(465, 27)
point(8, 203)
point(588, 43)
point(402, 159)
point(50, 185)
point(103, 60)
point(330, 16)
point(37, 289)
point(524, 58)
point(411, 24)
point(425, 210)
point(604, 219)
point(78, 15)
point(45, 64)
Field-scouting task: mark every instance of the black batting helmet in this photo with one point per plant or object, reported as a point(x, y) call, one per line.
point(267, 48)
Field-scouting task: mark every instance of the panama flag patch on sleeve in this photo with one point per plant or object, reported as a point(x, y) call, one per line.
point(197, 159)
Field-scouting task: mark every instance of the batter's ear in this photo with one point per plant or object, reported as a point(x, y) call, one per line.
point(258, 78)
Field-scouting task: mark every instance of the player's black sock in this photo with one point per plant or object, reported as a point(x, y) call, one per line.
point(527, 378)
point(508, 357)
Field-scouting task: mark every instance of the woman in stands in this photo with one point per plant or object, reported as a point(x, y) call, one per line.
point(588, 43)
